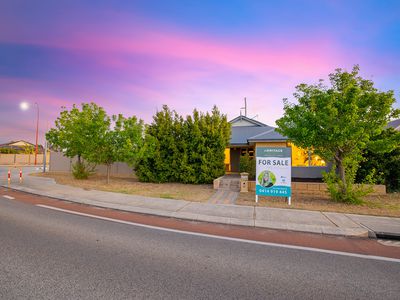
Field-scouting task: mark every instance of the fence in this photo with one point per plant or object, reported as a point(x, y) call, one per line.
point(61, 163)
point(22, 159)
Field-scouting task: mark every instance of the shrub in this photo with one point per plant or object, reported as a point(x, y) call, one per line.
point(383, 167)
point(80, 170)
point(187, 150)
point(348, 193)
point(8, 151)
point(248, 164)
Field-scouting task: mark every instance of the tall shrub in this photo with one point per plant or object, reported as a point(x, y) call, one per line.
point(187, 150)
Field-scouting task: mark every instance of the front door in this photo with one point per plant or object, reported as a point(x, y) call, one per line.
point(235, 159)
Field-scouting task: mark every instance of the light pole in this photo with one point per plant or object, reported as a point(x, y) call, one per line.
point(25, 106)
point(37, 133)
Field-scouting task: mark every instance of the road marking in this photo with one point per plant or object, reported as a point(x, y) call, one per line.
point(373, 257)
point(8, 197)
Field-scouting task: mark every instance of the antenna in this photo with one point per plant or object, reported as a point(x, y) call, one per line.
point(245, 108)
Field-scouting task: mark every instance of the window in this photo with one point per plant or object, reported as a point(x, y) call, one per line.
point(249, 151)
point(305, 158)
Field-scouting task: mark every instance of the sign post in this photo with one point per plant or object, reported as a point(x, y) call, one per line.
point(274, 172)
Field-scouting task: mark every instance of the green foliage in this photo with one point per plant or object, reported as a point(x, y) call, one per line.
point(81, 170)
point(383, 168)
point(248, 164)
point(187, 150)
point(24, 150)
point(122, 143)
point(8, 151)
point(87, 134)
point(28, 149)
point(338, 122)
point(348, 193)
point(79, 132)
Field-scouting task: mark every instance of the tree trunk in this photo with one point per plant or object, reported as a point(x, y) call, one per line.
point(108, 173)
point(341, 172)
point(79, 159)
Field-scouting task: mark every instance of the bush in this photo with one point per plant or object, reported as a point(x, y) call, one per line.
point(384, 167)
point(80, 170)
point(248, 164)
point(348, 193)
point(187, 150)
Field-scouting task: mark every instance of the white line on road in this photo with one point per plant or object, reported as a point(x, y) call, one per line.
point(8, 197)
point(373, 257)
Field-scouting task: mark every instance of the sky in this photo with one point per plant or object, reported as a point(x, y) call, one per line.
point(133, 56)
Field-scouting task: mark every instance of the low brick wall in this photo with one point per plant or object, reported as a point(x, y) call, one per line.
point(318, 189)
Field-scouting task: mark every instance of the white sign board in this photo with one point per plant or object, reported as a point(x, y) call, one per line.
point(274, 171)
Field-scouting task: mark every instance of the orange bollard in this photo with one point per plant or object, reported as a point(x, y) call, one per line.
point(9, 175)
point(20, 175)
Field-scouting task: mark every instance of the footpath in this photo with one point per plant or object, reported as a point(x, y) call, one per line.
point(341, 224)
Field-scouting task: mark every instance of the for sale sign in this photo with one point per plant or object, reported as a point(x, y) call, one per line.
point(274, 171)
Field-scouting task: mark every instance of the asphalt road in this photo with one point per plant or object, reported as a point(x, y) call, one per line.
point(46, 254)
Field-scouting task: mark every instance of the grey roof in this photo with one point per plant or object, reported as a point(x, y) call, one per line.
point(252, 121)
point(395, 124)
point(270, 135)
point(241, 135)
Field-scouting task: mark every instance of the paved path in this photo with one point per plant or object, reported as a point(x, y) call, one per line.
point(224, 197)
point(273, 218)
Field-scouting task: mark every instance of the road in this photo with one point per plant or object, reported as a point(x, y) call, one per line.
point(48, 254)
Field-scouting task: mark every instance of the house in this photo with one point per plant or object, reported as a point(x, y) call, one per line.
point(247, 134)
point(395, 124)
point(21, 146)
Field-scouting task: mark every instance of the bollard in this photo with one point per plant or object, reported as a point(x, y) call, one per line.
point(9, 175)
point(20, 175)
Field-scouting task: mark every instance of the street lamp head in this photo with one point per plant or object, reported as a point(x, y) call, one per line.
point(24, 105)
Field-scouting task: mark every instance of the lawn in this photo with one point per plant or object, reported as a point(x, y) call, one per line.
point(384, 205)
point(130, 185)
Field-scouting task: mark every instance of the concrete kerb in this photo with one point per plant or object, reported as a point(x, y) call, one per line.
point(189, 212)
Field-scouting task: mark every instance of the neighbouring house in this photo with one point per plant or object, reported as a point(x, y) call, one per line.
point(247, 134)
point(21, 146)
point(395, 124)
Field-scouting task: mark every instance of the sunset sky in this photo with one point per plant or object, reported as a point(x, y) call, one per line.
point(133, 56)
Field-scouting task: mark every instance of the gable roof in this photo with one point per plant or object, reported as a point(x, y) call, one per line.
point(270, 135)
point(395, 124)
point(13, 143)
point(252, 131)
point(247, 121)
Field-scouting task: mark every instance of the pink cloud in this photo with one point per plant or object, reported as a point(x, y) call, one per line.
point(108, 45)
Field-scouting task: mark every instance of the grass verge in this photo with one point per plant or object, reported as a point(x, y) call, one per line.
point(383, 205)
point(130, 185)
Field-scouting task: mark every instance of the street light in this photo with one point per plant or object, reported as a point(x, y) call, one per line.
point(25, 106)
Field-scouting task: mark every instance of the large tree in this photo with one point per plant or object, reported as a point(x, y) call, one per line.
point(87, 134)
point(338, 121)
point(79, 132)
point(120, 143)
